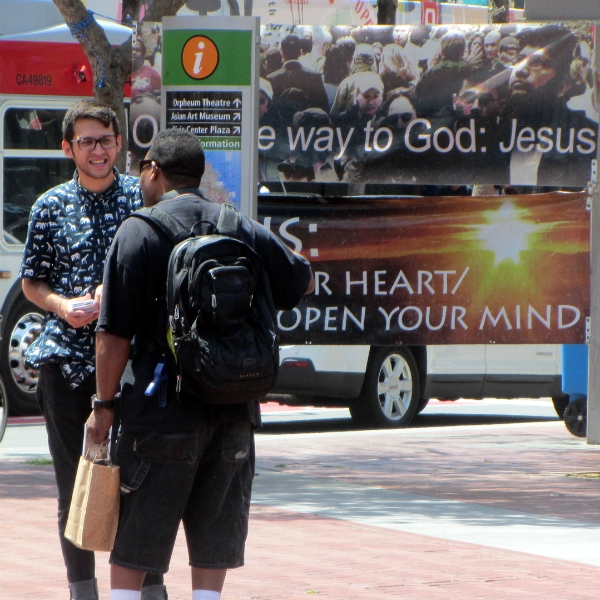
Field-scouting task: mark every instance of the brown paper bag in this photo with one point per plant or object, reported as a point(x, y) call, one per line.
point(94, 511)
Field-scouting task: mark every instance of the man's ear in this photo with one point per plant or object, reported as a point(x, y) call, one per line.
point(154, 172)
point(67, 149)
point(119, 141)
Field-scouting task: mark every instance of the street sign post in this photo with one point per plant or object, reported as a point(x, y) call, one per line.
point(210, 88)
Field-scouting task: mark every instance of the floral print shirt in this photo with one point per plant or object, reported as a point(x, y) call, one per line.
point(70, 232)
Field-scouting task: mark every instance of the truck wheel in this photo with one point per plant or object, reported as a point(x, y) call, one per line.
point(560, 405)
point(576, 417)
point(22, 327)
point(3, 409)
point(390, 394)
point(423, 402)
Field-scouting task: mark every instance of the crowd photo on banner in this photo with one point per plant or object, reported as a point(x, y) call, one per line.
point(146, 82)
point(420, 104)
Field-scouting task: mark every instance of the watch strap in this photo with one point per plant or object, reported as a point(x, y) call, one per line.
point(97, 403)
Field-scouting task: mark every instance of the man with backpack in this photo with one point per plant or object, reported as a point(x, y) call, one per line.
point(204, 350)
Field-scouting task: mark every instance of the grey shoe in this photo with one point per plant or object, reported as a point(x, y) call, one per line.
point(84, 590)
point(154, 592)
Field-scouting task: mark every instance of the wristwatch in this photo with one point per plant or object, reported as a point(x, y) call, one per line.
point(96, 403)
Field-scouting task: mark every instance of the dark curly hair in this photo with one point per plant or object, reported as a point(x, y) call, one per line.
point(88, 109)
point(180, 155)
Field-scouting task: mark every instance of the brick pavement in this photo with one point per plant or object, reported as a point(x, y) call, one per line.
point(293, 555)
point(528, 467)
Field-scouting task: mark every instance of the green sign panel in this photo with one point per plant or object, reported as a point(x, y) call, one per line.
point(207, 57)
point(210, 88)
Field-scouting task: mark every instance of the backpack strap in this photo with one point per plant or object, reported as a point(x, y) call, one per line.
point(229, 221)
point(168, 224)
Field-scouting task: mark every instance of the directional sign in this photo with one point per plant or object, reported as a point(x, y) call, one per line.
point(210, 88)
point(210, 115)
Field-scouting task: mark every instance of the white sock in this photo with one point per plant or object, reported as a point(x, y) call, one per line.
point(125, 595)
point(204, 595)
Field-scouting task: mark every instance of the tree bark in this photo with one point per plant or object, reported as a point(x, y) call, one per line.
point(131, 10)
point(163, 8)
point(110, 65)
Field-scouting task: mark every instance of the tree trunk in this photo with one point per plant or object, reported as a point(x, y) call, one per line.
point(163, 8)
point(110, 65)
point(131, 10)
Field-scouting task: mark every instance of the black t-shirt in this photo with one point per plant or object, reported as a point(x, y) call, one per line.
point(133, 308)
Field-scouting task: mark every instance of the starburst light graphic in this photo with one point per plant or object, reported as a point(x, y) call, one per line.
point(507, 233)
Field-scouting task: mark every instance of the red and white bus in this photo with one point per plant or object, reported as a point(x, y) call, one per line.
point(42, 72)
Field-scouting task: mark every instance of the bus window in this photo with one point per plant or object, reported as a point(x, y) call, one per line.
point(33, 129)
point(27, 175)
point(25, 180)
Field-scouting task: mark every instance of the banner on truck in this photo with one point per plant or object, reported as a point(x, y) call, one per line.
point(439, 270)
point(291, 12)
point(505, 104)
point(344, 12)
point(146, 86)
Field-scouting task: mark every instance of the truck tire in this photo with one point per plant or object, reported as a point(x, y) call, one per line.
point(423, 402)
point(21, 327)
point(3, 409)
point(560, 404)
point(390, 394)
point(576, 417)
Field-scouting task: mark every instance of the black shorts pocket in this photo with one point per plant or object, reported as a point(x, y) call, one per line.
point(236, 441)
point(165, 447)
point(132, 470)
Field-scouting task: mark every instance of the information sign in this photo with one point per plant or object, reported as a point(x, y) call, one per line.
point(210, 88)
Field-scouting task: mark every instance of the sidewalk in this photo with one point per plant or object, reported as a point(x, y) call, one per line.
point(486, 512)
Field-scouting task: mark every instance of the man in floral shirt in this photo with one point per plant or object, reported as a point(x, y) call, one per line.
point(71, 228)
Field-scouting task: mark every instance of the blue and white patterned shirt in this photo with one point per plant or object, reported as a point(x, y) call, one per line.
point(70, 232)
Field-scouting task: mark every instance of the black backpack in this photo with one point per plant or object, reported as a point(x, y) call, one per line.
point(221, 317)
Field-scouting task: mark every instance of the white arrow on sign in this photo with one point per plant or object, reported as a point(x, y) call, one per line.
point(237, 102)
point(237, 116)
point(237, 129)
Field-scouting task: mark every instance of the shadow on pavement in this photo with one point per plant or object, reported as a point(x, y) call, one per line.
point(22, 480)
point(423, 420)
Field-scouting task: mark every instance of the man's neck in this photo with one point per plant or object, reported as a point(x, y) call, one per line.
point(180, 191)
point(170, 194)
point(96, 186)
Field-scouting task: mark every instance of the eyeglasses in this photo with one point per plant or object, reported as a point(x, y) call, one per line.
point(146, 162)
point(88, 144)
